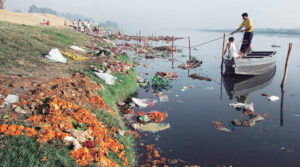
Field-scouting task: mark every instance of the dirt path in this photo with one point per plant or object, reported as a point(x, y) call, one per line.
point(31, 18)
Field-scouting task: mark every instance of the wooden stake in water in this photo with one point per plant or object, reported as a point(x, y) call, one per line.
point(173, 52)
point(190, 49)
point(140, 33)
point(223, 51)
point(286, 65)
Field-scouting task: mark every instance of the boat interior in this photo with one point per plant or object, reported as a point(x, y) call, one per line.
point(260, 54)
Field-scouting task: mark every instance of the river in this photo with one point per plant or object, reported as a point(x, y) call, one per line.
point(193, 138)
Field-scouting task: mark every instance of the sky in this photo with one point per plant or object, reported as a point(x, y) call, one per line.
point(133, 15)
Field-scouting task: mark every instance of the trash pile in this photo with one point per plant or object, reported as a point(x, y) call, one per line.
point(166, 75)
point(75, 126)
point(56, 112)
point(248, 109)
point(190, 64)
point(111, 65)
point(154, 116)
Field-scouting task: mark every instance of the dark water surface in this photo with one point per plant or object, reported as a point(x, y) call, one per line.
point(192, 137)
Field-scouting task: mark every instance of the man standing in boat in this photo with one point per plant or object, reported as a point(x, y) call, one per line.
point(248, 35)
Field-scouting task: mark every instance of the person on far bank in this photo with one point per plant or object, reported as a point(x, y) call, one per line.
point(248, 35)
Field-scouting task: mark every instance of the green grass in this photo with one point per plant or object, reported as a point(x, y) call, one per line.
point(22, 47)
point(22, 151)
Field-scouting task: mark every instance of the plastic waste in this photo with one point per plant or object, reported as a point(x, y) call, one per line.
point(221, 127)
point(152, 127)
point(271, 97)
point(107, 78)
point(77, 48)
point(72, 140)
point(74, 56)
point(144, 118)
point(249, 107)
point(162, 98)
point(55, 55)
point(144, 102)
point(11, 99)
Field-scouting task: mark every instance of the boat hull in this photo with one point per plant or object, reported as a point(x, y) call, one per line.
point(255, 64)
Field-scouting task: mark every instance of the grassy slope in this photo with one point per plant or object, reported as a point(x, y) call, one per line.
point(29, 43)
point(22, 48)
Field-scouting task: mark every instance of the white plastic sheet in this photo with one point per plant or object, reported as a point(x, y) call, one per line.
point(55, 55)
point(107, 78)
point(77, 48)
point(11, 98)
point(144, 102)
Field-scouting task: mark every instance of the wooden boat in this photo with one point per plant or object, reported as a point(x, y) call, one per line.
point(255, 63)
point(240, 85)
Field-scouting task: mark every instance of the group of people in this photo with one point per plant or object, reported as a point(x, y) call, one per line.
point(247, 28)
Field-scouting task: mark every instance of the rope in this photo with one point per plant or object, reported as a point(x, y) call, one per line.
point(204, 43)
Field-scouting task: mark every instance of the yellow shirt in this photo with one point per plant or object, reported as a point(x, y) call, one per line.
point(247, 23)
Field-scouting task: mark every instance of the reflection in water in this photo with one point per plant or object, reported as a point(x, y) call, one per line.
point(281, 106)
point(239, 87)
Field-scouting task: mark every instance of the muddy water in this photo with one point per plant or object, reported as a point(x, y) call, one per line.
point(193, 139)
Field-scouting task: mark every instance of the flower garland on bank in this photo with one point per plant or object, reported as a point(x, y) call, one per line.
point(60, 121)
point(57, 113)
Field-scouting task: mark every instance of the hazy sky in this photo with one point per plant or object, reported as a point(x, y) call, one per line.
point(177, 14)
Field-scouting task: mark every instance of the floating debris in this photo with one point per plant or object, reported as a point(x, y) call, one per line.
point(271, 97)
point(248, 107)
point(144, 102)
point(190, 65)
point(152, 127)
point(199, 77)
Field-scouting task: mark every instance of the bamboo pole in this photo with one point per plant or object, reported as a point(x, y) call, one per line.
point(190, 49)
point(223, 51)
point(140, 33)
point(286, 65)
point(173, 52)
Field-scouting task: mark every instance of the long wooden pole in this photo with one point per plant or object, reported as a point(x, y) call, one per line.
point(223, 51)
point(190, 49)
point(173, 52)
point(286, 65)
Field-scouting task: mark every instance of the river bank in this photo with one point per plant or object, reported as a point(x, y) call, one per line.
point(62, 113)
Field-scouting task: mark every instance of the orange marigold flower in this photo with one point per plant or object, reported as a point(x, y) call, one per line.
point(3, 128)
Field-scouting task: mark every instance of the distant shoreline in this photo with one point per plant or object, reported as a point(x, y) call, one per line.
point(260, 31)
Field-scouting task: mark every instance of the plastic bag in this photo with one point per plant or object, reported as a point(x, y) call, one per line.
point(55, 55)
point(107, 78)
point(144, 102)
point(77, 48)
point(152, 127)
point(11, 98)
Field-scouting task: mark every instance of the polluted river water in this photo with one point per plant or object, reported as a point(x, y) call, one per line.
point(192, 138)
